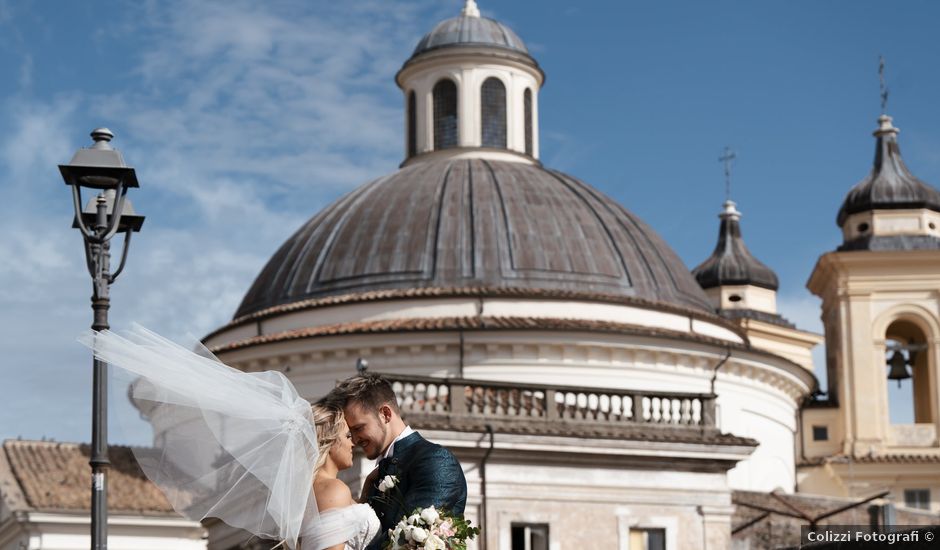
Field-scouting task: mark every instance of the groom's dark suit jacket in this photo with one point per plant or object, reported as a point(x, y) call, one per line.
point(428, 475)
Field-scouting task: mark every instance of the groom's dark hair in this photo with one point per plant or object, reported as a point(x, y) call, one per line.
point(370, 391)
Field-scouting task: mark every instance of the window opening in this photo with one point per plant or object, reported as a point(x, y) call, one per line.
point(412, 125)
point(493, 112)
point(820, 433)
point(527, 102)
point(909, 379)
point(529, 536)
point(917, 498)
point(648, 539)
point(445, 114)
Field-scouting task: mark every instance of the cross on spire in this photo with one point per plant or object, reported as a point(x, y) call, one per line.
point(883, 85)
point(726, 157)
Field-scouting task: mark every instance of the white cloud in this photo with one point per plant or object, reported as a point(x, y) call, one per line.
point(26, 72)
point(242, 121)
point(36, 142)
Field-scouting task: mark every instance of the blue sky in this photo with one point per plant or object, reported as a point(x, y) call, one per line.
point(243, 119)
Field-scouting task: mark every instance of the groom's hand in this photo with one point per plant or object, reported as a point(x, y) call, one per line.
point(367, 485)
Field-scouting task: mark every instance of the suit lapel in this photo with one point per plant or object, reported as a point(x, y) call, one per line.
point(396, 465)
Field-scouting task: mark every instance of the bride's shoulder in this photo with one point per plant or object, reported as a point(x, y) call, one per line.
point(332, 493)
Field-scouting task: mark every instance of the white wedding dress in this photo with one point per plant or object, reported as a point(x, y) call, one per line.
point(328, 530)
point(370, 528)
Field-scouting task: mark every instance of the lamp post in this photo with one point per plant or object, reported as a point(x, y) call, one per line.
point(101, 169)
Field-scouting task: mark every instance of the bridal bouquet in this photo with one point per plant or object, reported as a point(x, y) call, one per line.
point(431, 529)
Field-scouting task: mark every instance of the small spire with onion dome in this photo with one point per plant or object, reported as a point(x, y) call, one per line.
point(732, 263)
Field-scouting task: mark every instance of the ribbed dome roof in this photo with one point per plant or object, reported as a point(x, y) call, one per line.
point(480, 224)
point(732, 263)
point(468, 30)
point(890, 185)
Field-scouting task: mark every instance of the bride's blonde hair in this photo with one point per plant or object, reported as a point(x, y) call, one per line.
point(328, 420)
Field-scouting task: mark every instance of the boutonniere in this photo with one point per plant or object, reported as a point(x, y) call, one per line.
point(389, 492)
point(387, 483)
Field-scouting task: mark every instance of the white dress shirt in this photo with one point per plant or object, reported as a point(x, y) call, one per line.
point(404, 433)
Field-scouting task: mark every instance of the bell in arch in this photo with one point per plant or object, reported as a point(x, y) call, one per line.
point(898, 365)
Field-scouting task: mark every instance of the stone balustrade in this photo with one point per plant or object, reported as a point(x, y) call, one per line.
point(463, 398)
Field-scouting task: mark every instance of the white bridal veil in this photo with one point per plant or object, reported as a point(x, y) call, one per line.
point(231, 445)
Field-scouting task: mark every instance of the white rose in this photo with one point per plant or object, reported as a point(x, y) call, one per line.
point(387, 483)
point(408, 534)
point(419, 535)
point(430, 515)
point(434, 542)
point(413, 519)
point(395, 536)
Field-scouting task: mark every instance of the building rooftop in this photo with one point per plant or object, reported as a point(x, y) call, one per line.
point(889, 185)
point(470, 29)
point(480, 224)
point(51, 476)
point(732, 263)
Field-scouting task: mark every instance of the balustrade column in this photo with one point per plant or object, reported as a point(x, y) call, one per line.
point(551, 408)
point(708, 412)
point(457, 394)
point(637, 400)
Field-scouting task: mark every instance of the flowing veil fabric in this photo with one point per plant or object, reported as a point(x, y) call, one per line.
point(231, 445)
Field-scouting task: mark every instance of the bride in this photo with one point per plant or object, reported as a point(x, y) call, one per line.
point(336, 453)
point(242, 447)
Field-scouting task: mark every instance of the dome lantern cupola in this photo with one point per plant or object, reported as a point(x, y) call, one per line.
point(732, 277)
point(891, 209)
point(471, 91)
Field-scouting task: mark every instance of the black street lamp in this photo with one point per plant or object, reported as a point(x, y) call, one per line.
point(101, 169)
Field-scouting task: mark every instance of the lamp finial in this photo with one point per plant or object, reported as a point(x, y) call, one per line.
point(470, 9)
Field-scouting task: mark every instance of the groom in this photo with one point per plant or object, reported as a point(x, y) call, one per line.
point(428, 474)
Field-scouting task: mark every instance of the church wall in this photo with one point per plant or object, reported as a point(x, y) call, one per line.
point(51, 531)
point(858, 478)
point(828, 418)
point(757, 396)
point(746, 409)
point(593, 507)
point(467, 307)
point(793, 344)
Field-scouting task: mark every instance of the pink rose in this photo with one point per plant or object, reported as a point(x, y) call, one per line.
point(446, 529)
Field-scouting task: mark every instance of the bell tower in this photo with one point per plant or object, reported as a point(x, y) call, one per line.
point(880, 294)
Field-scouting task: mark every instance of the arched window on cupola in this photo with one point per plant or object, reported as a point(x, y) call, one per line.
point(493, 103)
point(527, 107)
point(910, 378)
point(412, 125)
point(445, 114)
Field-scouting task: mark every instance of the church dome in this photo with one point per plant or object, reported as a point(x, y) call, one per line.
point(470, 29)
point(476, 225)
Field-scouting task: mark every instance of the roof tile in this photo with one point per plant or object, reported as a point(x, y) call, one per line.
point(56, 477)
